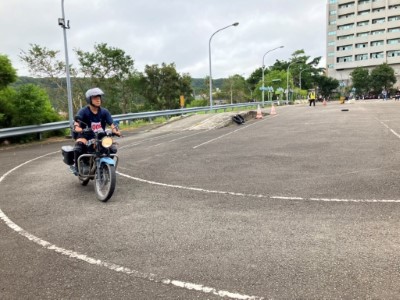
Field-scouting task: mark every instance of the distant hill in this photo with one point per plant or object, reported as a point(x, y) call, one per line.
point(199, 83)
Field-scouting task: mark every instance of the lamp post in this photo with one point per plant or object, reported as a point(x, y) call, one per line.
point(65, 25)
point(287, 81)
point(209, 59)
point(263, 68)
point(301, 71)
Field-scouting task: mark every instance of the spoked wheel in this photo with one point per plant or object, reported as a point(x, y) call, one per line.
point(104, 184)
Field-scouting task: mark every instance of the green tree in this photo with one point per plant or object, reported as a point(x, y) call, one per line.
point(326, 85)
point(361, 80)
point(234, 89)
point(299, 61)
point(254, 78)
point(45, 63)
point(275, 79)
point(382, 77)
point(162, 86)
point(8, 74)
point(6, 107)
point(112, 70)
point(31, 106)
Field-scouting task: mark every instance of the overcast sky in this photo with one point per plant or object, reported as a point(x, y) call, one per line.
point(170, 31)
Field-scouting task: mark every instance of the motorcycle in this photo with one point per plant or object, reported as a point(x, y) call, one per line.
point(98, 164)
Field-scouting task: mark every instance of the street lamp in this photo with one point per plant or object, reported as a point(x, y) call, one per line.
point(209, 58)
point(263, 68)
point(287, 81)
point(65, 26)
point(301, 71)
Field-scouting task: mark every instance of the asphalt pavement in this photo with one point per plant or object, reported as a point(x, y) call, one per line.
point(303, 204)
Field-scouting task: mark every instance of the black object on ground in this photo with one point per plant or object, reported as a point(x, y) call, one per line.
point(238, 119)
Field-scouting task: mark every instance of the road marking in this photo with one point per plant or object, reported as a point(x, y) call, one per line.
point(114, 267)
point(147, 140)
point(391, 130)
point(255, 195)
point(177, 139)
point(229, 133)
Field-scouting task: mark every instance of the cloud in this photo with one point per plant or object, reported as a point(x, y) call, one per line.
point(174, 31)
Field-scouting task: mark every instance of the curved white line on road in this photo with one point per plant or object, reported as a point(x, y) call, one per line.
point(229, 133)
point(114, 267)
point(255, 195)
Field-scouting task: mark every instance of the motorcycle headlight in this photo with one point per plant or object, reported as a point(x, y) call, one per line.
point(107, 142)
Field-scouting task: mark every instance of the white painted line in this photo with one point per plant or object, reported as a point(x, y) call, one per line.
point(255, 195)
point(114, 267)
point(177, 139)
point(391, 130)
point(121, 269)
point(229, 133)
point(147, 140)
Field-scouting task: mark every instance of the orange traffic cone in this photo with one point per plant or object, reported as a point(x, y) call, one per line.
point(259, 114)
point(273, 110)
point(324, 102)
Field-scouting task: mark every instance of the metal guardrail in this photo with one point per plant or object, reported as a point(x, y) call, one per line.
point(15, 131)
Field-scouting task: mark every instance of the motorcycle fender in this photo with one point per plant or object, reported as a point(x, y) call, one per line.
point(107, 160)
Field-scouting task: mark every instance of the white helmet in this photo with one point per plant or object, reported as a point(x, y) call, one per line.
point(93, 92)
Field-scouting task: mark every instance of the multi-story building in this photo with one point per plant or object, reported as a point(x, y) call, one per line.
point(362, 33)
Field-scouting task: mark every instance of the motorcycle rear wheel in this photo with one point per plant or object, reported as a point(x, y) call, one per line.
point(104, 183)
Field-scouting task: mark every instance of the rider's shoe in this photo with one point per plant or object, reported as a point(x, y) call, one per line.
point(85, 169)
point(73, 170)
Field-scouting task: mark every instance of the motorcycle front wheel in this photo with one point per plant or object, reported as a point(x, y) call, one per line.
point(104, 183)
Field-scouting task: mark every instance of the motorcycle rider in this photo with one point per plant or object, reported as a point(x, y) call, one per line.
point(94, 116)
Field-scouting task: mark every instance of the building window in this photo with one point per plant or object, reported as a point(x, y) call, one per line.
point(363, 12)
point(361, 45)
point(345, 37)
point(393, 41)
point(346, 26)
point(332, 33)
point(345, 16)
point(331, 66)
point(376, 55)
point(375, 10)
point(382, 31)
point(363, 23)
point(344, 48)
point(361, 57)
point(332, 12)
point(346, 5)
point(394, 18)
point(344, 59)
point(331, 43)
point(332, 1)
point(395, 29)
point(394, 6)
point(333, 22)
point(378, 21)
point(363, 2)
point(331, 54)
point(361, 34)
point(377, 43)
point(393, 53)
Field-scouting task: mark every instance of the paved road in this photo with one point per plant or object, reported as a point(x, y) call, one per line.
point(301, 205)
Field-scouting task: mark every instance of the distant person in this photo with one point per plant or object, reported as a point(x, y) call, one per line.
point(311, 98)
point(384, 95)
